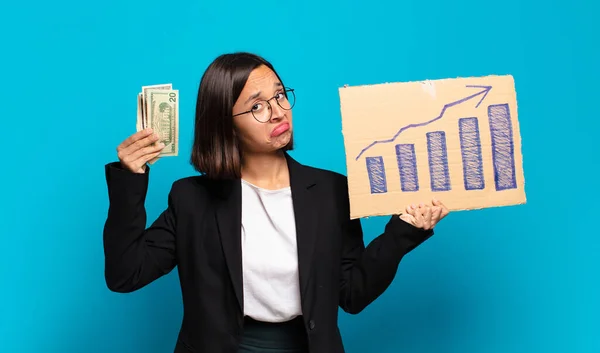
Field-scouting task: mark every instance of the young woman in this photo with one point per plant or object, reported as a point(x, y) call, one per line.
point(264, 246)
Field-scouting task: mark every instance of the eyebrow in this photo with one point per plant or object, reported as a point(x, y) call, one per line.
point(257, 94)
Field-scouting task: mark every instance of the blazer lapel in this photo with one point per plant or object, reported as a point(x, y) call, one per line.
point(306, 212)
point(229, 220)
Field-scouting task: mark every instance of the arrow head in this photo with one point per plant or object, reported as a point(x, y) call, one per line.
point(485, 91)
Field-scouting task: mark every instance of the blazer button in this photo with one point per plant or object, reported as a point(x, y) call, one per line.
point(311, 325)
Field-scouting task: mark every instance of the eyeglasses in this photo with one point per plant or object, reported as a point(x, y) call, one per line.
point(262, 110)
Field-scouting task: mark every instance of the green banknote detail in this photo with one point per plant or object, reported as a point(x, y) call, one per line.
point(164, 120)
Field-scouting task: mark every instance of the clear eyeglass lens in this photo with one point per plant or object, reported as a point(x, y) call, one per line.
point(262, 110)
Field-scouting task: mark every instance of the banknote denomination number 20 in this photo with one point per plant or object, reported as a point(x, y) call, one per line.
point(172, 97)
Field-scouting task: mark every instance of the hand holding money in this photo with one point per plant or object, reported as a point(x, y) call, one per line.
point(158, 109)
point(138, 149)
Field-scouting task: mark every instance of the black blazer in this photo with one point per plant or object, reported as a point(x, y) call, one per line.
point(200, 233)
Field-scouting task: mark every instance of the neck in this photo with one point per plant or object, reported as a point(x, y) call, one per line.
point(266, 170)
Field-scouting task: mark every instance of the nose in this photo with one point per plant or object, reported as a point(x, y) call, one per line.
point(277, 112)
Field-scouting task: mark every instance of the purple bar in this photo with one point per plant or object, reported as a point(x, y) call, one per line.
point(438, 161)
point(376, 171)
point(407, 166)
point(503, 151)
point(470, 149)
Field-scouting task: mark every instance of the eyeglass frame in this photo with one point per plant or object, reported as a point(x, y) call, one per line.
point(285, 90)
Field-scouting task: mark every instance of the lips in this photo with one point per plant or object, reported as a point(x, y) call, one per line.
point(280, 129)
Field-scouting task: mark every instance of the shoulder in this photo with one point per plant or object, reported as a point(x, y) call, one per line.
point(194, 183)
point(328, 181)
point(316, 173)
point(192, 195)
point(327, 176)
point(308, 173)
point(330, 192)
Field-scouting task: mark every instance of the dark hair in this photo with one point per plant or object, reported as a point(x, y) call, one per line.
point(216, 151)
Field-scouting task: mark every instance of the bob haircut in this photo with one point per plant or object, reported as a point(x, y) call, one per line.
point(216, 150)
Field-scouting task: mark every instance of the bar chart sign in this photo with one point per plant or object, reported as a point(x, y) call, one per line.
point(454, 139)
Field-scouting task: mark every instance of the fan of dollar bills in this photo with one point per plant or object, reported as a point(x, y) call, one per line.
point(158, 108)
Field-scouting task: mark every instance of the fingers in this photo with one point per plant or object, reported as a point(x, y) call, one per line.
point(138, 145)
point(138, 149)
point(426, 213)
point(144, 156)
point(139, 165)
point(130, 152)
point(425, 216)
point(143, 152)
point(134, 138)
point(435, 215)
point(417, 213)
point(407, 218)
point(444, 210)
point(148, 157)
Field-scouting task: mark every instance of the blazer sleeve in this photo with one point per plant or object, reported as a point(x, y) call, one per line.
point(367, 272)
point(135, 256)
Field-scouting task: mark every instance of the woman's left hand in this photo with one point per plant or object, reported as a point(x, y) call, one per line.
point(425, 216)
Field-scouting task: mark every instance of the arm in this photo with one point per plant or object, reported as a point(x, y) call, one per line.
point(135, 256)
point(368, 272)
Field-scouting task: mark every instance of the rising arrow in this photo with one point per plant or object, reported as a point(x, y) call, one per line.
point(484, 92)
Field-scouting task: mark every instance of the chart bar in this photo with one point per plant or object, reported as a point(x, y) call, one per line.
point(470, 149)
point(407, 166)
point(376, 171)
point(503, 151)
point(438, 161)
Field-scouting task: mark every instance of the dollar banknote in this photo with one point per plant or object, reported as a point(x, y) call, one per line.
point(158, 108)
point(139, 125)
point(145, 103)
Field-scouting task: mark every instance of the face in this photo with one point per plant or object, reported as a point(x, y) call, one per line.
point(256, 136)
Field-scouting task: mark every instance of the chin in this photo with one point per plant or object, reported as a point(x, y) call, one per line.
point(283, 142)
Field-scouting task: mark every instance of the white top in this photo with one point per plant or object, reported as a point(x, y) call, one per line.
point(269, 254)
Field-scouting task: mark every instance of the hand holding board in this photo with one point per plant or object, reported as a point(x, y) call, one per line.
point(456, 140)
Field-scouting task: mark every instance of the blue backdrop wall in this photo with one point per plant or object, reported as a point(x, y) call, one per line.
point(513, 279)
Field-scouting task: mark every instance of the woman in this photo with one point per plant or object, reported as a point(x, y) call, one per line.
point(264, 246)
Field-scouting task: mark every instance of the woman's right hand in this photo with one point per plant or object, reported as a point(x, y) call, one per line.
point(138, 149)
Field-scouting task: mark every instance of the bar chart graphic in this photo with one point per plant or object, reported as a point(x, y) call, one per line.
point(459, 143)
point(472, 160)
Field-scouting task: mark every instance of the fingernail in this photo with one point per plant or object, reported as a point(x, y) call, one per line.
point(161, 145)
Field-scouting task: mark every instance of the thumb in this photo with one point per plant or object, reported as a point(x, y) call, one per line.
point(407, 218)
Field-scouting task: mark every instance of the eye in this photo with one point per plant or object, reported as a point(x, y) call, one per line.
point(257, 107)
point(280, 95)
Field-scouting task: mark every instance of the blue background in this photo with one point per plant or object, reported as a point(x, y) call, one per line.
point(511, 279)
